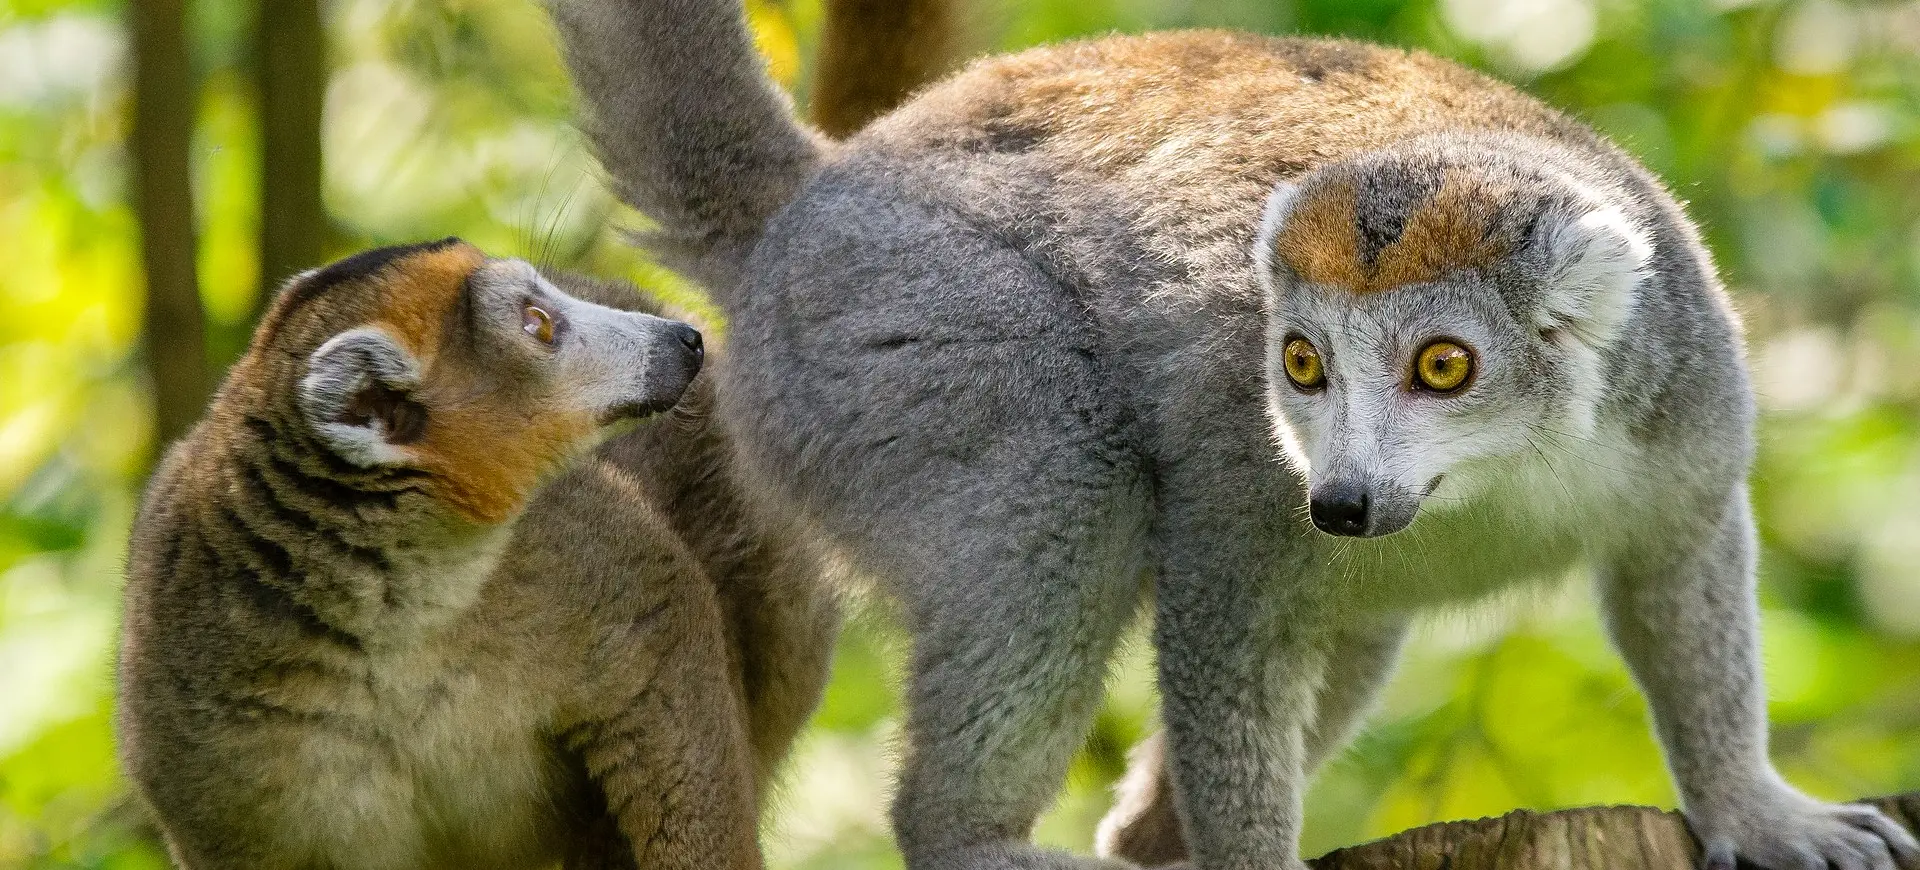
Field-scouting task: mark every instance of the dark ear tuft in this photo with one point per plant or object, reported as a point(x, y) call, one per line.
point(357, 397)
point(366, 263)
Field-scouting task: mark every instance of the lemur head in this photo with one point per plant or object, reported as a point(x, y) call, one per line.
point(1432, 308)
point(478, 374)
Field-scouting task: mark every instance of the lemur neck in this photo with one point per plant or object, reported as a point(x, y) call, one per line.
point(365, 552)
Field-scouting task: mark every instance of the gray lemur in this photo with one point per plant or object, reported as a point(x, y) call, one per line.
point(382, 613)
point(1309, 335)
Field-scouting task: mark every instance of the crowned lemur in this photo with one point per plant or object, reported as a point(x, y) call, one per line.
point(1307, 335)
point(388, 606)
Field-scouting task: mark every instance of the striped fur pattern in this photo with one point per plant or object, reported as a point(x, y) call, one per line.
point(381, 613)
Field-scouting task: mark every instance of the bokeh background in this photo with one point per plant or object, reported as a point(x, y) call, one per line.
point(1789, 127)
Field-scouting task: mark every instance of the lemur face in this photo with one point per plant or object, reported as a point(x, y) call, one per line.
point(1429, 322)
point(1377, 399)
point(477, 372)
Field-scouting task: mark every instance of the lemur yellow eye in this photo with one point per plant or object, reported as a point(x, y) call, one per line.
point(1303, 364)
point(535, 321)
point(1443, 367)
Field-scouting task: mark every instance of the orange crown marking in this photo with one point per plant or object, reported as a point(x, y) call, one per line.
point(1454, 229)
point(417, 292)
point(1320, 241)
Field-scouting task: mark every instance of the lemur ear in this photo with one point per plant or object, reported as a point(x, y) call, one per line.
point(357, 397)
point(1593, 266)
point(1279, 207)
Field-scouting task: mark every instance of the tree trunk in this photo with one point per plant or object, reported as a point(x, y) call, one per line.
point(1591, 838)
point(873, 53)
point(291, 82)
point(163, 115)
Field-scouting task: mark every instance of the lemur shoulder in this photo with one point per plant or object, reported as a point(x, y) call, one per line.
point(1312, 333)
point(389, 606)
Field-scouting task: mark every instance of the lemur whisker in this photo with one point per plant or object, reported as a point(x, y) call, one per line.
point(1550, 468)
point(1584, 439)
point(1584, 458)
point(551, 243)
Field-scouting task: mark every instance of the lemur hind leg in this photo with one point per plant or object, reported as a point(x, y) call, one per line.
point(1685, 618)
point(976, 462)
point(1144, 825)
point(1011, 640)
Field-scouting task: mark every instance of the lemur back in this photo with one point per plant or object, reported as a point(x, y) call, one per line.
point(1311, 334)
point(389, 606)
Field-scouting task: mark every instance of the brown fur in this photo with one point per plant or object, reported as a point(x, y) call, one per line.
point(1209, 121)
point(415, 300)
point(489, 454)
point(488, 457)
point(330, 666)
point(491, 446)
point(1321, 241)
point(1118, 102)
point(1457, 228)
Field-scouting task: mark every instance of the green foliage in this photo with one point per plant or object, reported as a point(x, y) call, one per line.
point(1790, 127)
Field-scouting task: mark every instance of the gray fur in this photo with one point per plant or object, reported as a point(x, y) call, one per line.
point(1008, 350)
point(733, 154)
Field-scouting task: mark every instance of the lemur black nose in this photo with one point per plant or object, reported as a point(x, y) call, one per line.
point(1340, 508)
point(691, 338)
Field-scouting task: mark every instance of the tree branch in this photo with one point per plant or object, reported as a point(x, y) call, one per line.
point(874, 53)
point(291, 76)
point(1589, 838)
point(163, 114)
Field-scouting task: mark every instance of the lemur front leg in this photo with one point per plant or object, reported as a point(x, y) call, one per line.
point(671, 755)
point(1144, 824)
point(1241, 657)
point(1686, 621)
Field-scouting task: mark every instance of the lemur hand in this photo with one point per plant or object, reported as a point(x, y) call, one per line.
point(1786, 830)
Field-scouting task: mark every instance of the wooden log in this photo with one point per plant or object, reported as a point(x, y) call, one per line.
point(1589, 838)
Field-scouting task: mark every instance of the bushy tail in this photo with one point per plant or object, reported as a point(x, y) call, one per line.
point(694, 133)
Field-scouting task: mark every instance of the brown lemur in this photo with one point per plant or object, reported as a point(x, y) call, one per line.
point(361, 634)
point(1311, 334)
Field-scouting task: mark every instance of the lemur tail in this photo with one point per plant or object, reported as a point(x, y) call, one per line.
point(694, 133)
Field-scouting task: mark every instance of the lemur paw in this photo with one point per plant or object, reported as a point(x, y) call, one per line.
point(1795, 832)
